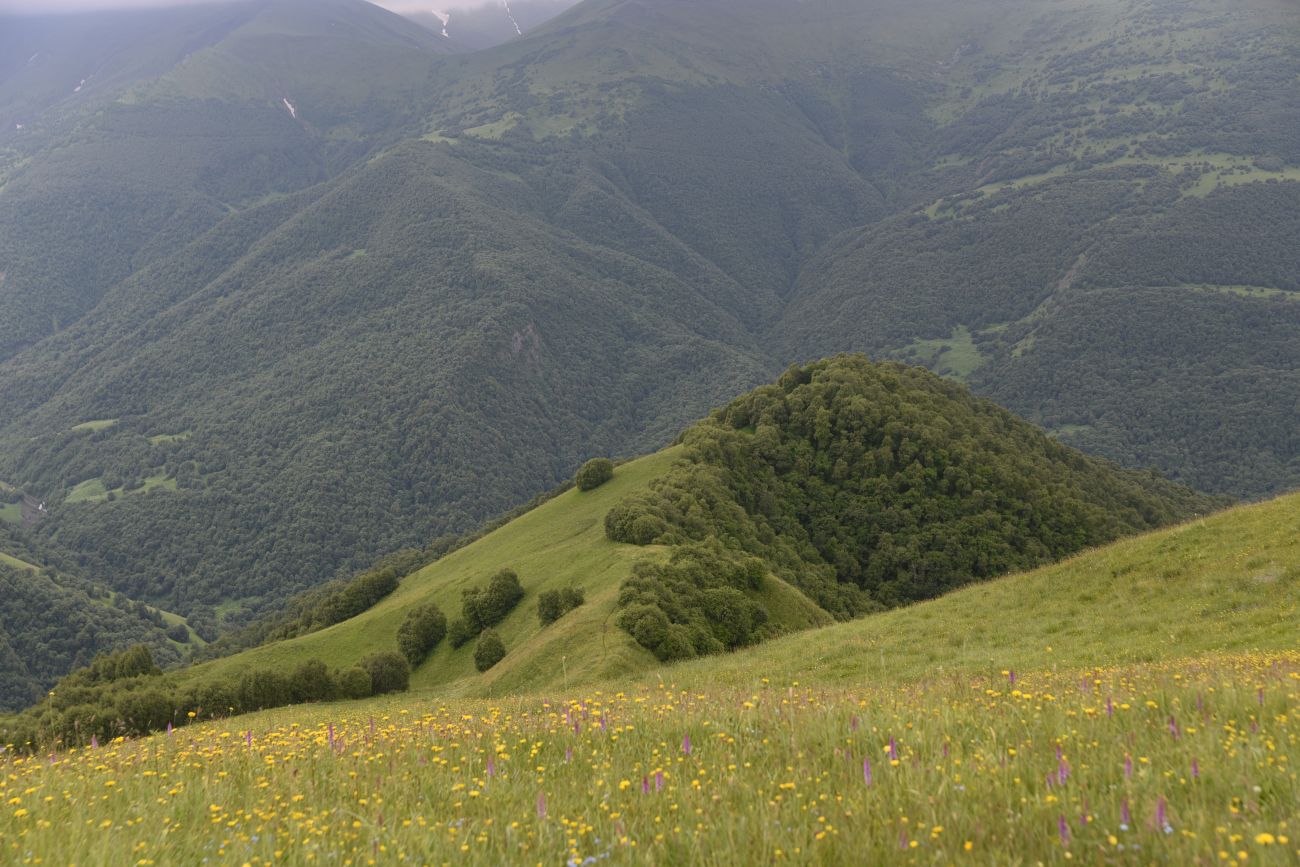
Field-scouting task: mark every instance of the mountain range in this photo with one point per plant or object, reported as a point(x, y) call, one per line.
point(286, 285)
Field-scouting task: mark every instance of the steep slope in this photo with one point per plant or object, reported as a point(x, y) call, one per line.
point(441, 283)
point(967, 492)
point(52, 622)
point(487, 374)
point(1052, 751)
point(1095, 696)
point(1106, 220)
point(482, 24)
point(127, 135)
point(1219, 584)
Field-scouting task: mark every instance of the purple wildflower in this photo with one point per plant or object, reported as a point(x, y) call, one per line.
point(686, 744)
point(866, 771)
point(1063, 828)
point(541, 805)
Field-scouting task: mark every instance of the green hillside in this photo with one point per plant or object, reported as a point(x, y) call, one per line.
point(345, 291)
point(1110, 705)
point(556, 545)
point(845, 488)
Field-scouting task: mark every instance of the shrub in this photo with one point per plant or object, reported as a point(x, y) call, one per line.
point(420, 633)
point(355, 683)
point(214, 698)
point(312, 681)
point(489, 651)
point(695, 604)
point(554, 604)
point(178, 633)
point(78, 724)
point(262, 689)
point(145, 711)
point(488, 606)
point(461, 632)
point(389, 672)
point(107, 667)
point(633, 522)
point(594, 473)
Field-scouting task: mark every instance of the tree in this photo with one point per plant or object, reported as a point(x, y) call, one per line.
point(489, 651)
point(420, 633)
point(262, 689)
point(355, 683)
point(311, 681)
point(487, 606)
point(594, 473)
point(554, 604)
point(462, 632)
point(389, 672)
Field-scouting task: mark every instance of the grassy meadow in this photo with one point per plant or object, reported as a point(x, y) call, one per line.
point(1186, 762)
point(1135, 704)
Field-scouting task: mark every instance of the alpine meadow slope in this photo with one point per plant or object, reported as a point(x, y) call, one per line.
point(374, 289)
point(818, 744)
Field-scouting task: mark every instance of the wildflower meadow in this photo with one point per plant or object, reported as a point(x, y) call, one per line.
point(1186, 762)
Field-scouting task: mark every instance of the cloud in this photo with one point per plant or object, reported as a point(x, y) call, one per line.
point(31, 7)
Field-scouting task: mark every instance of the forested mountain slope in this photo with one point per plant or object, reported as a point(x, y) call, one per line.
point(843, 489)
point(398, 289)
point(124, 135)
point(52, 622)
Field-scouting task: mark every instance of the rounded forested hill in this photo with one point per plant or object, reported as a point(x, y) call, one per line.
point(869, 485)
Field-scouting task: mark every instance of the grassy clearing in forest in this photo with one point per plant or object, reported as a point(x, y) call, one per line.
point(96, 425)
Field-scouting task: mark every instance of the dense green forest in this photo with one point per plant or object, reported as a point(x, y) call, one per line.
point(52, 622)
point(866, 486)
point(286, 286)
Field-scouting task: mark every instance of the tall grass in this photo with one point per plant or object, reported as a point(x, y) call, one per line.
point(1183, 763)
